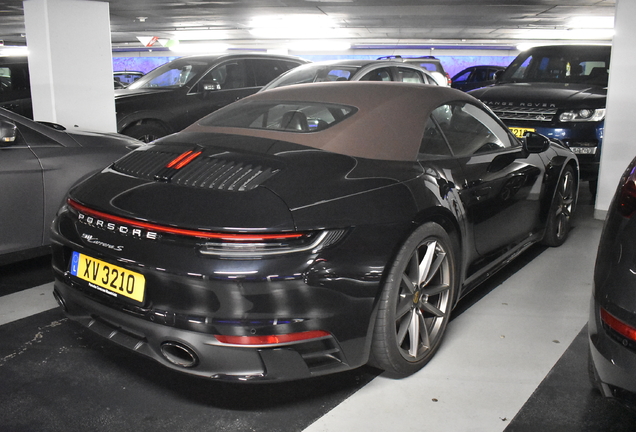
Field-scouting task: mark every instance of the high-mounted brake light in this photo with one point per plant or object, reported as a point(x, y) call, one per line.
point(271, 339)
point(180, 231)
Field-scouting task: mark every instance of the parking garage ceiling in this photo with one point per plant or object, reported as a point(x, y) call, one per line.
point(274, 24)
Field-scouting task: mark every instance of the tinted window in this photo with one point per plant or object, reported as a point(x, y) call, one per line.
point(471, 130)
point(461, 78)
point(266, 70)
point(433, 141)
point(580, 65)
point(314, 73)
point(14, 77)
point(410, 75)
point(172, 75)
point(383, 74)
point(282, 116)
point(231, 75)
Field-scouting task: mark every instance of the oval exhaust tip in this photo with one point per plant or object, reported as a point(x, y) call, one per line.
point(179, 354)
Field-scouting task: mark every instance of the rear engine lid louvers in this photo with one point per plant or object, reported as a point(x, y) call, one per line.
point(194, 169)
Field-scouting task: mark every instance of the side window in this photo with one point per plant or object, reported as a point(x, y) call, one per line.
point(5, 79)
point(462, 78)
point(471, 130)
point(523, 69)
point(479, 75)
point(14, 77)
point(382, 74)
point(266, 70)
point(230, 75)
point(433, 141)
point(410, 76)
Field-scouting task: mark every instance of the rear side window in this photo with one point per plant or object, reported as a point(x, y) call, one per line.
point(383, 74)
point(410, 76)
point(433, 142)
point(265, 70)
point(281, 116)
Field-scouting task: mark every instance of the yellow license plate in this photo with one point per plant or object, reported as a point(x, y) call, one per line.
point(108, 278)
point(520, 132)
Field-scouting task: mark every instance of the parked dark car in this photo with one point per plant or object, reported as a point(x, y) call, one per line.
point(307, 229)
point(352, 70)
point(38, 164)
point(558, 91)
point(178, 93)
point(126, 78)
point(475, 77)
point(15, 87)
point(612, 323)
point(430, 63)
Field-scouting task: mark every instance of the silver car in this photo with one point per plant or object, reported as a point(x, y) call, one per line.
point(38, 164)
point(353, 70)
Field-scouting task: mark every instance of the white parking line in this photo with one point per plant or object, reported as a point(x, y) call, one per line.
point(494, 356)
point(26, 303)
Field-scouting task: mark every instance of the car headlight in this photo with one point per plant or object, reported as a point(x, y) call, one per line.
point(583, 115)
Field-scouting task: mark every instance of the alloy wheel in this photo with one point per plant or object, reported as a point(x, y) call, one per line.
point(423, 305)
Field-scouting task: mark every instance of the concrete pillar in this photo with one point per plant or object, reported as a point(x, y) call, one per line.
point(70, 63)
point(619, 144)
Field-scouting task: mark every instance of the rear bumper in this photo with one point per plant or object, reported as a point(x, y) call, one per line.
point(201, 353)
point(615, 364)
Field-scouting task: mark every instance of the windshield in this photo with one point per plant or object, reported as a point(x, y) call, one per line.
point(585, 65)
point(281, 116)
point(314, 73)
point(175, 74)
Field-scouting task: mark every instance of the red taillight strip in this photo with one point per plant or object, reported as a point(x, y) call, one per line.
point(618, 326)
point(180, 231)
point(271, 339)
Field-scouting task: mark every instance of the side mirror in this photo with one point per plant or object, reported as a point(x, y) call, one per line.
point(535, 143)
point(8, 133)
point(498, 75)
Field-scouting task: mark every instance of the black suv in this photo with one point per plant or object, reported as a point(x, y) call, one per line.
point(558, 91)
point(15, 88)
point(182, 91)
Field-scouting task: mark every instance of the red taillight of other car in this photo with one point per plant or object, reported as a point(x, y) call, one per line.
point(618, 326)
point(626, 199)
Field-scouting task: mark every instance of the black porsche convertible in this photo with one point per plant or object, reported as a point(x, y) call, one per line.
point(307, 230)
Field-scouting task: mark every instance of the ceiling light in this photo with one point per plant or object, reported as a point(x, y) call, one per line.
point(318, 46)
point(294, 27)
point(10, 51)
point(199, 35)
point(572, 34)
point(192, 48)
point(592, 22)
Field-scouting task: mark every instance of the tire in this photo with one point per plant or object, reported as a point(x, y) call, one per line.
point(146, 132)
point(415, 303)
point(561, 210)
